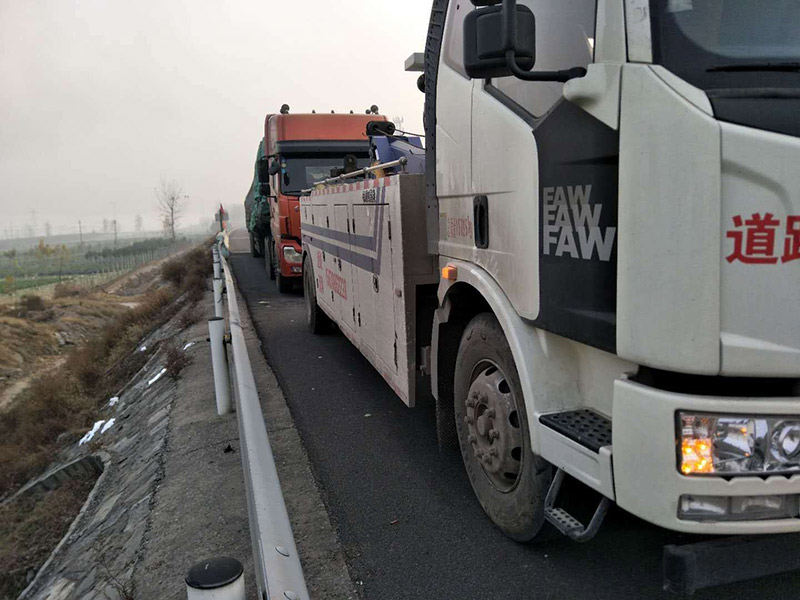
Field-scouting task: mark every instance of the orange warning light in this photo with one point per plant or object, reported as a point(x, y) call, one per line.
point(450, 273)
point(696, 456)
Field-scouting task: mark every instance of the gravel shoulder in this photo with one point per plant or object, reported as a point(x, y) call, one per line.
point(200, 508)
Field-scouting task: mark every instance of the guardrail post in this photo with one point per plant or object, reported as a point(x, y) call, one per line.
point(218, 283)
point(218, 298)
point(216, 579)
point(219, 362)
point(217, 265)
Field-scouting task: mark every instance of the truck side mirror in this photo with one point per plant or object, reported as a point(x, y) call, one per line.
point(501, 41)
point(274, 167)
point(488, 37)
point(264, 190)
point(262, 168)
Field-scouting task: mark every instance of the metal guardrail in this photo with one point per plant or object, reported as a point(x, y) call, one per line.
point(279, 575)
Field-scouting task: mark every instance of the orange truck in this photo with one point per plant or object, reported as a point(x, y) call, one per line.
point(303, 149)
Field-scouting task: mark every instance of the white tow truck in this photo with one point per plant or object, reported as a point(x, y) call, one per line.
point(598, 275)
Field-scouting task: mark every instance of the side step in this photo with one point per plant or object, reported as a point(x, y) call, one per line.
point(593, 432)
point(579, 441)
point(565, 522)
point(584, 426)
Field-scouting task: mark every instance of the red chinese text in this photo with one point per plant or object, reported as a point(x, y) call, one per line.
point(337, 283)
point(757, 239)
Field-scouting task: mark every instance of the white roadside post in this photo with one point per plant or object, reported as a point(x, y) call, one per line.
point(217, 265)
point(218, 298)
point(216, 579)
point(218, 284)
point(219, 362)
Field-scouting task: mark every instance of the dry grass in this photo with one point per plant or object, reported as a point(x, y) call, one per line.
point(189, 317)
point(176, 361)
point(67, 290)
point(67, 399)
point(21, 340)
point(190, 272)
point(32, 303)
point(31, 527)
point(27, 335)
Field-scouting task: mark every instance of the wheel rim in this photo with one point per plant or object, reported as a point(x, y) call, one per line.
point(494, 431)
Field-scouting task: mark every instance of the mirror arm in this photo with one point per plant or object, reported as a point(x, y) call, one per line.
point(509, 22)
point(509, 15)
point(562, 76)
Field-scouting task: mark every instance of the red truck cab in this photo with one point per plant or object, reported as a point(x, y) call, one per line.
point(304, 149)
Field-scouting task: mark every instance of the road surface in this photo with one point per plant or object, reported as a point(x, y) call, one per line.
point(239, 240)
point(405, 513)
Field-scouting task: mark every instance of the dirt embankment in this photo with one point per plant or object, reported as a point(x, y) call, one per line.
point(35, 334)
point(94, 336)
point(105, 345)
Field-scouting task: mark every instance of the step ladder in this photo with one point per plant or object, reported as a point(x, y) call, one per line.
point(593, 431)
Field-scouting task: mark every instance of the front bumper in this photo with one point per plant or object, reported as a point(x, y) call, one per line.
point(647, 482)
point(290, 269)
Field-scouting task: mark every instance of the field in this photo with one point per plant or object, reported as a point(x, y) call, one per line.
point(41, 269)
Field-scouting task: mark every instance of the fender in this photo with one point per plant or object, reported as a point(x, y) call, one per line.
point(546, 363)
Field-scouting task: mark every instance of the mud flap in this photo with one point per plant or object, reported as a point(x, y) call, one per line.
point(692, 567)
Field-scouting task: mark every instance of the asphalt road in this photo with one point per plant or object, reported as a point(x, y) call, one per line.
point(405, 513)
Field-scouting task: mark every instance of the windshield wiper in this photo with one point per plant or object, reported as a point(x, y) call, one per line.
point(776, 66)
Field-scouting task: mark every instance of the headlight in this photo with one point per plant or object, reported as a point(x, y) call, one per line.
point(291, 255)
point(737, 444)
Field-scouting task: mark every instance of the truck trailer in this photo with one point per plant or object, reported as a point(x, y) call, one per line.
point(302, 149)
point(256, 206)
point(598, 276)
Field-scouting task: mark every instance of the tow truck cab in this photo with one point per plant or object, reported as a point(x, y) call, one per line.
point(303, 149)
point(626, 205)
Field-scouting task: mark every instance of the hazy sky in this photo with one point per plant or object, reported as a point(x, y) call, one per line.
point(101, 98)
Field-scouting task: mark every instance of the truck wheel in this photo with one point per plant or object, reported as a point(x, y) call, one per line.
point(268, 259)
point(283, 284)
point(510, 481)
point(254, 247)
point(316, 319)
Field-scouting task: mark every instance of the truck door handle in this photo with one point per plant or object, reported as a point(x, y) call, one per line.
point(480, 220)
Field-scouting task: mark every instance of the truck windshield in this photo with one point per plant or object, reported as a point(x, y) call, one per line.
point(302, 172)
point(729, 44)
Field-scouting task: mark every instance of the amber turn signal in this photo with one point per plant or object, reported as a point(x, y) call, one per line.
point(450, 272)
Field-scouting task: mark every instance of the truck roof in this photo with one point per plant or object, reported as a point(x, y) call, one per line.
point(319, 126)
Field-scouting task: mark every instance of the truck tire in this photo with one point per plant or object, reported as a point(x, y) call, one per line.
point(255, 250)
point(510, 481)
point(283, 284)
point(268, 259)
point(316, 319)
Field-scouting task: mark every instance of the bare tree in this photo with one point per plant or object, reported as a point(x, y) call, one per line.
point(170, 204)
